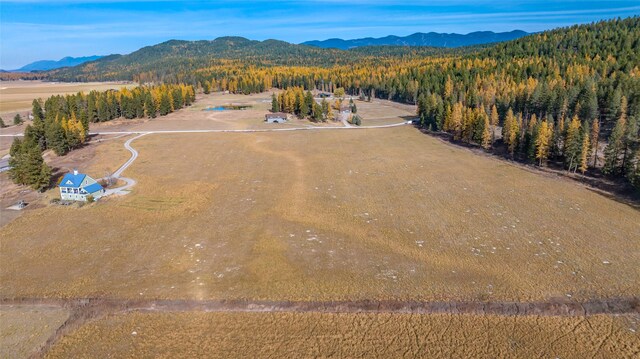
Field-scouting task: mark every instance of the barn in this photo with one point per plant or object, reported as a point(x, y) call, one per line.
point(78, 186)
point(276, 117)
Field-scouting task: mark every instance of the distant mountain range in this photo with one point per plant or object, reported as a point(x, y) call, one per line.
point(45, 65)
point(432, 39)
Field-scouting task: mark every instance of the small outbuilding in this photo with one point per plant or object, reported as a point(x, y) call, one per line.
point(78, 186)
point(275, 117)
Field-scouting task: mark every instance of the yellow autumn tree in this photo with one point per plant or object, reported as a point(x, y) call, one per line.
point(456, 120)
point(487, 132)
point(585, 153)
point(493, 121)
point(543, 141)
point(510, 131)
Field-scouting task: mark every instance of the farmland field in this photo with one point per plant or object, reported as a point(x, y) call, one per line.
point(16, 96)
point(292, 335)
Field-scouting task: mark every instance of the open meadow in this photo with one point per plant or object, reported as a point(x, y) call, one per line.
point(313, 217)
point(325, 215)
point(312, 335)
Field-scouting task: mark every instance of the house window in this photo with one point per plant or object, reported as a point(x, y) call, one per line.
point(75, 190)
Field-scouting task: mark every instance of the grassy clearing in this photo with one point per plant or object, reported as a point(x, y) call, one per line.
point(24, 329)
point(288, 335)
point(366, 214)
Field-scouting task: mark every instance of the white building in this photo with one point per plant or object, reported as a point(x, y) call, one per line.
point(276, 117)
point(77, 186)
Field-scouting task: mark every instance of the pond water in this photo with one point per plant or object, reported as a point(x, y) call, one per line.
point(227, 108)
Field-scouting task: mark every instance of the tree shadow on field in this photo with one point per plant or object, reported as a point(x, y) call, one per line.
point(56, 176)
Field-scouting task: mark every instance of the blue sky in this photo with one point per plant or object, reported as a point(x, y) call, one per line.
point(35, 30)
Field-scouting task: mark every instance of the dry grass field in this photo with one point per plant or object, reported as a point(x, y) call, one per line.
point(16, 96)
point(311, 335)
point(369, 214)
point(25, 329)
point(361, 214)
point(196, 117)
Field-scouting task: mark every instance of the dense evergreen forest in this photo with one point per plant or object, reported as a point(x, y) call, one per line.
point(570, 95)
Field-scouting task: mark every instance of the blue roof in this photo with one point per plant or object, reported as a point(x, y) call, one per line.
point(94, 187)
point(71, 180)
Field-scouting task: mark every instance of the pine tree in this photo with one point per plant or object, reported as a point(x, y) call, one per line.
point(57, 139)
point(304, 107)
point(317, 112)
point(558, 138)
point(28, 166)
point(468, 121)
point(531, 138)
point(150, 106)
point(447, 126)
point(573, 144)
point(165, 104)
point(595, 135)
point(630, 140)
point(2, 124)
point(325, 109)
point(616, 142)
point(17, 119)
point(585, 152)
point(36, 110)
point(16, 170)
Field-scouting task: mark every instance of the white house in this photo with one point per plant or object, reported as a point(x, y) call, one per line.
point(77, 186)
point(276, 117)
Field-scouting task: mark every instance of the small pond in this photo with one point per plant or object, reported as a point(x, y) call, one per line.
point(227, 108)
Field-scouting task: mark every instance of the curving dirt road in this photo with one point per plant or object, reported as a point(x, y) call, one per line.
point(117, 174)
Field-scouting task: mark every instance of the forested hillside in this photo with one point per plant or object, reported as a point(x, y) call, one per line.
point(432, 39)
point(564, 84)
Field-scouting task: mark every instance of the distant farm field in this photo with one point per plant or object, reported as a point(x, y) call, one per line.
point(326, 215)
point(18, 95)
point(311, 335)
